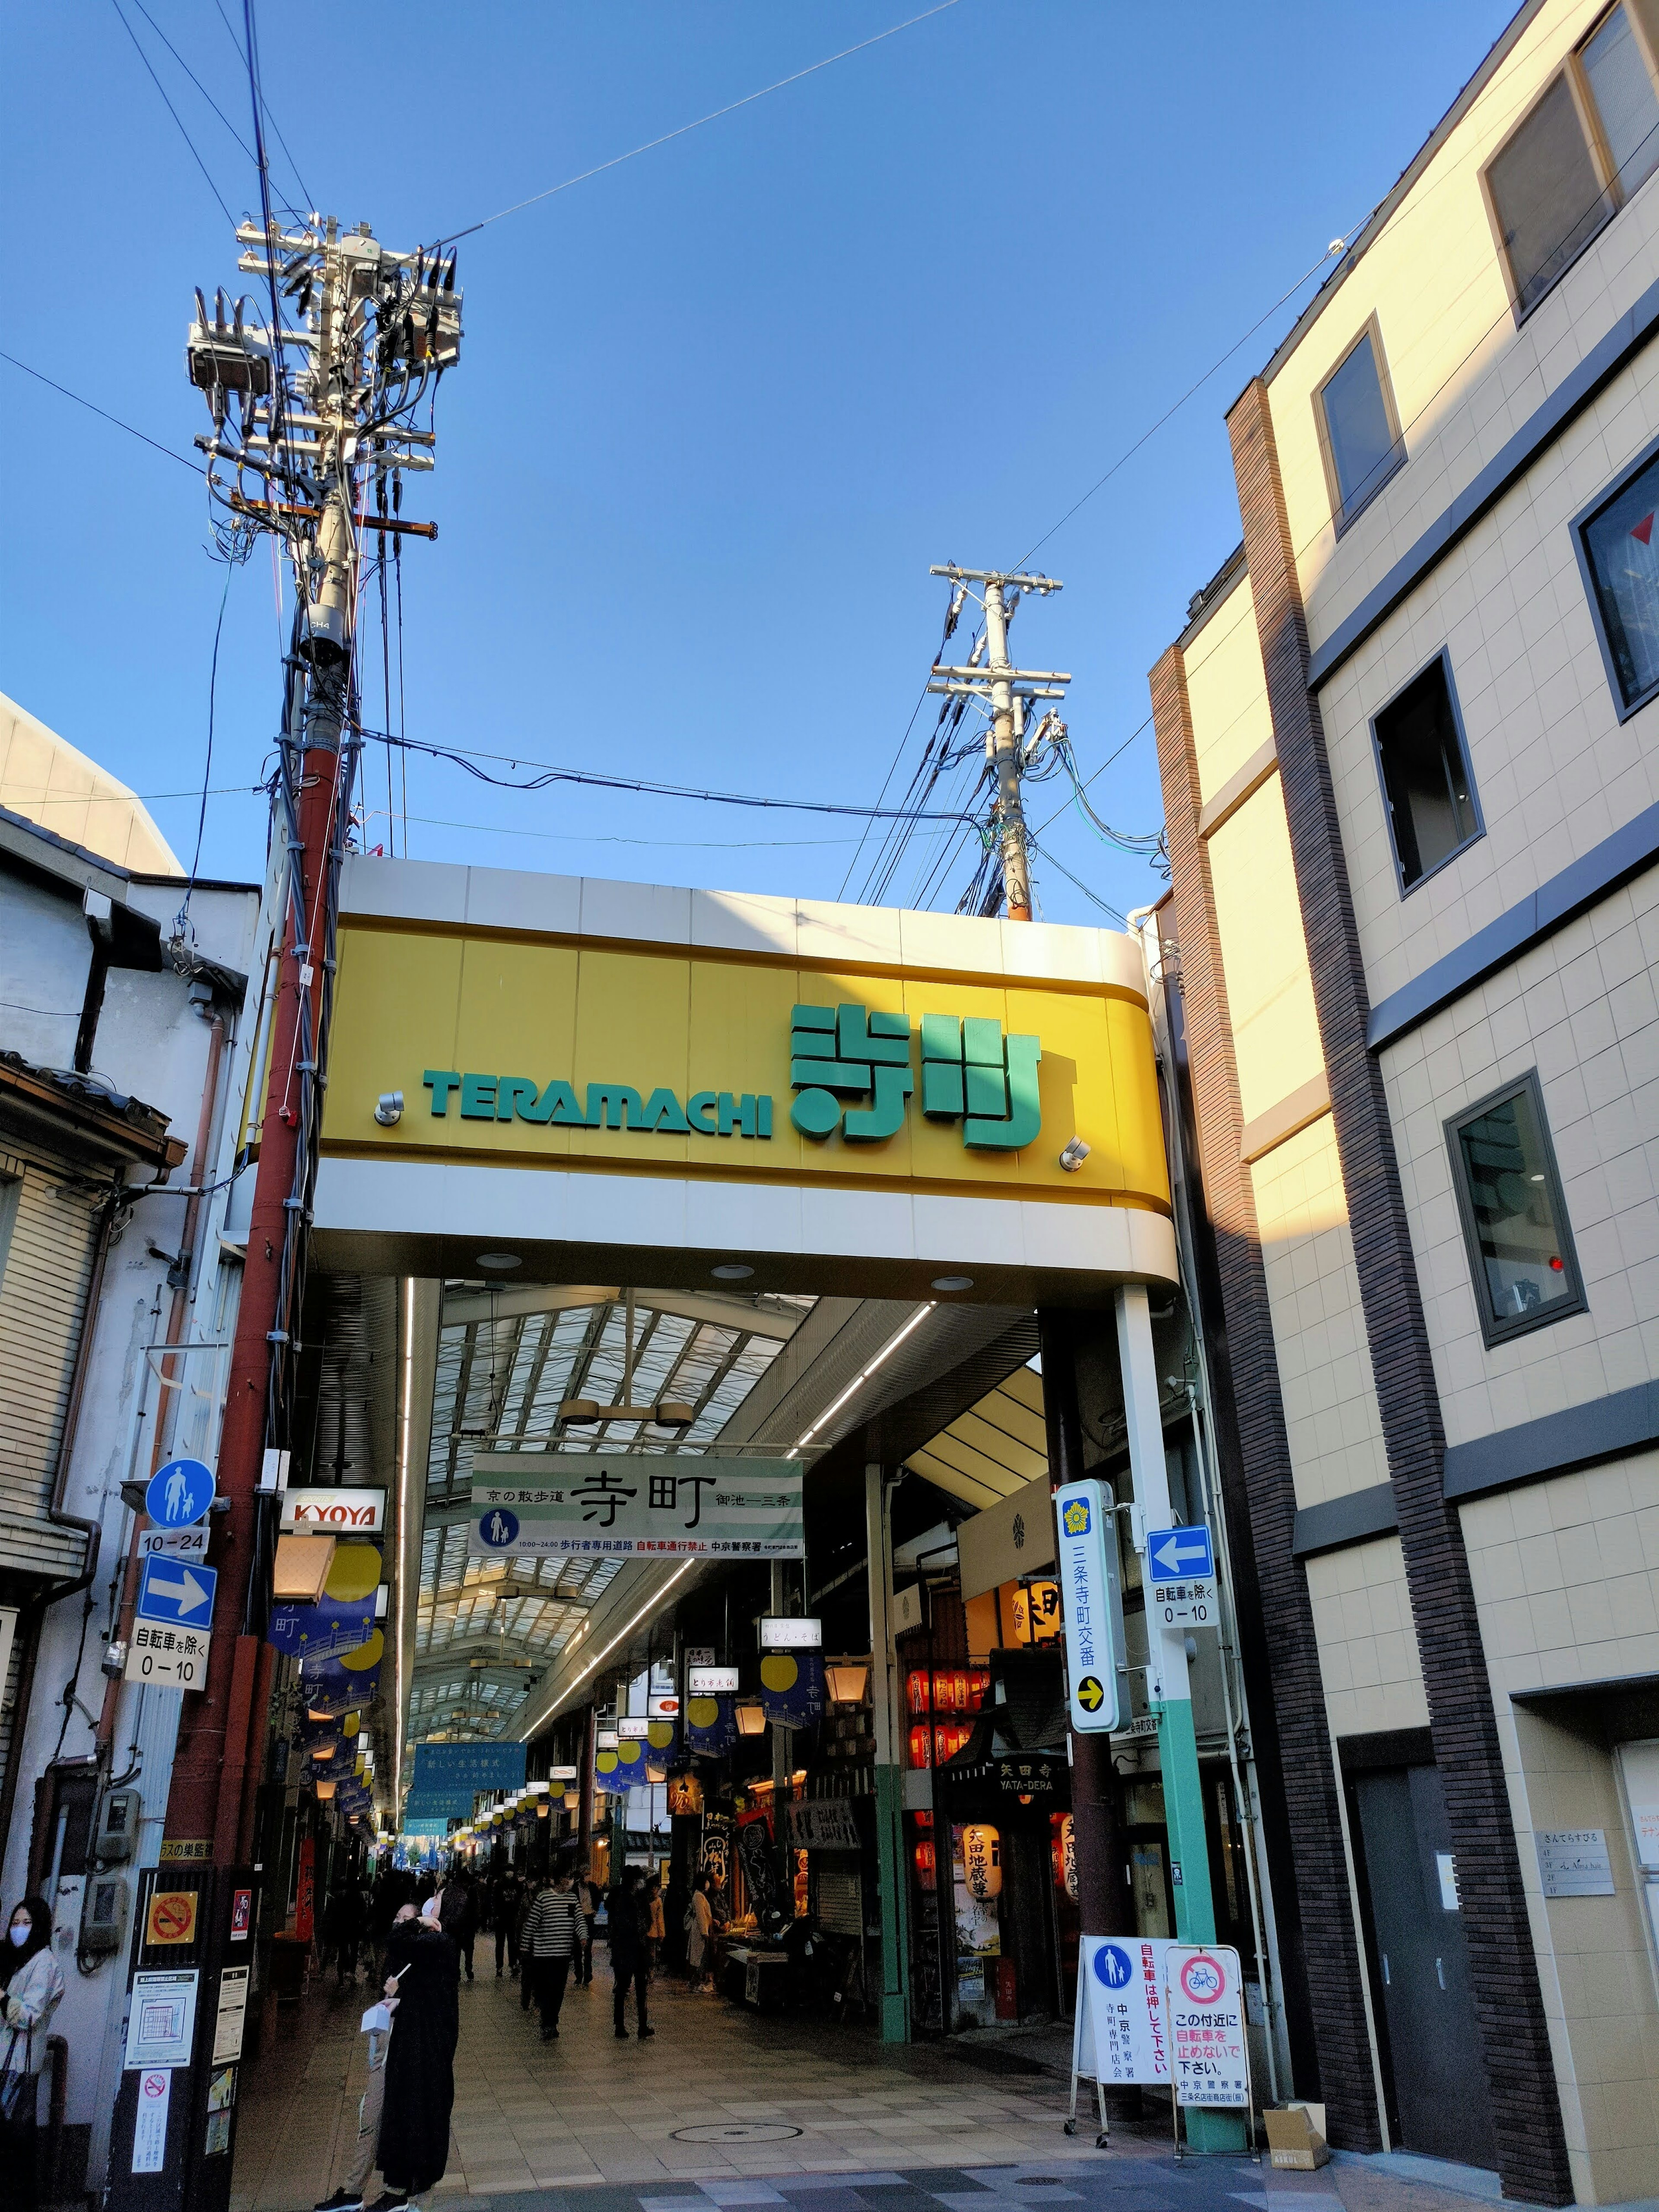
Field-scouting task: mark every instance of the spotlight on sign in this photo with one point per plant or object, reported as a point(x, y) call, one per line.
point(389, 1108)
point(1073, 1154)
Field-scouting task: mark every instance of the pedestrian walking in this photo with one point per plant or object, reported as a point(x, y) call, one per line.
point(34, 1986)
point(625, 1919)
point(342, 1931)
point(532, 1889)
point(588, 1897)
point(460, 1922)
point(505, 1907)
point(656, 1928)
point(421, 1971)
point(552, 1942)
point(377, 2026)
point(699, 1929)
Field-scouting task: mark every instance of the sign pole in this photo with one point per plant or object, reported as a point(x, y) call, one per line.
point(1167, 1685)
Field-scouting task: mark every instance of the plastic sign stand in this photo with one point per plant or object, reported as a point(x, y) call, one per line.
point(1209, 2047)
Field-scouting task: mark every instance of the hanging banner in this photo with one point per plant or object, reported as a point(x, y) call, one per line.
point(449, 1776)
point(343, 1619)
point(620, 1768)
point(711, 1725)
point(661, 1743)
point(792, 1687)
point(552, 1504)
point(759, 1863)
point(340, 1684)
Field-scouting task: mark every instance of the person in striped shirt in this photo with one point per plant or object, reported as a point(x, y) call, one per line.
point(552, 1939)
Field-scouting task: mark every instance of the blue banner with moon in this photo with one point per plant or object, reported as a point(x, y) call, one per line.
point(792, 1687)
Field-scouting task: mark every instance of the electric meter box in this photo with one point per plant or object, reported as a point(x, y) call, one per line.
point(118, 1825)
point(104, 1913)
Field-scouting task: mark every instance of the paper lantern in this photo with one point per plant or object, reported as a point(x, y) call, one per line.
point(324, 1790)
point(751, 1720)
point(1065, 1835)
point(916, 1691)
point(927, 1865)
point(573, 1801)
point(981, 1861)
point(848, 1680)
point(921, 1747)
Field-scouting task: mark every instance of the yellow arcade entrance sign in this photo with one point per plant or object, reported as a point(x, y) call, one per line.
point(778, 1064)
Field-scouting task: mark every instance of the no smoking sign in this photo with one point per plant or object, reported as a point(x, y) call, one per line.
point(171, 1918)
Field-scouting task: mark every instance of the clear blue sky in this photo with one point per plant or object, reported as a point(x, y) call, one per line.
point(718, 409)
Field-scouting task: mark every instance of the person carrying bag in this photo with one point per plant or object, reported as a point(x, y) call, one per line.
point(34, 1986)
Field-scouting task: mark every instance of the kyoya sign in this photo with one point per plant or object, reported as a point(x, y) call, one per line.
point(334, 1512)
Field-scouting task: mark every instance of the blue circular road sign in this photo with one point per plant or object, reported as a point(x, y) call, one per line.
point(1113, 1966)
point(498, 1528)
point(178, 1493)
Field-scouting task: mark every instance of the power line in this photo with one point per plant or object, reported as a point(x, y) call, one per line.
point(194, 80)
point(731, 108)
point(40, 378)
point(266, 108)
point(173, 113)
point(546, 775)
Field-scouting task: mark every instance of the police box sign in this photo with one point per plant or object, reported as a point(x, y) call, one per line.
point(1087, 1563)
point(310, 1512)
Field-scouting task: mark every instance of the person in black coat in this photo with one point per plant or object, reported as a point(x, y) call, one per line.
point(629, 1959)
point(422, 1972)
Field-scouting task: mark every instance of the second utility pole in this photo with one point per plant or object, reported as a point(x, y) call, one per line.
point(1001, 684)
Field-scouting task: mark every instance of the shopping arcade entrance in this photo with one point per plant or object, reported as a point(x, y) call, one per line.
point(851, 1272)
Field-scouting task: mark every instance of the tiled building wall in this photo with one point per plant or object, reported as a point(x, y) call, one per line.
point(1465, 378)
point(1566, 1577)
point(1367, 1644)
point(1275, 1025)
point(1555, 770)
point(1331, 1414)
point(1581, 1007)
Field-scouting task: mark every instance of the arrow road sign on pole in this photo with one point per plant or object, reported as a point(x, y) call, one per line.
point(1181, 1554)
point(174, 1591)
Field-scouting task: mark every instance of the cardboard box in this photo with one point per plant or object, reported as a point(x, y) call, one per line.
point(1296, 2136)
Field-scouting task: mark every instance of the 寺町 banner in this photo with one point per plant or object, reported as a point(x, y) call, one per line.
point(555, 1504)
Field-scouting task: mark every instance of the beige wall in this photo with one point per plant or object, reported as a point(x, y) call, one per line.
point(1580, 1007)
point(1566, 1581)
point(1264, 953)
point(1334, 1426)
point(1227, 692)
point(1367, 1645)
point(1555, 772)
point(45, 779)
point(1465, 378)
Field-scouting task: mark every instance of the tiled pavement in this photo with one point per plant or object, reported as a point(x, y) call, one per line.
point(830, 2122)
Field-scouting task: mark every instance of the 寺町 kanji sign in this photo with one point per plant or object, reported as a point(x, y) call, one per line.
point(554, 1504)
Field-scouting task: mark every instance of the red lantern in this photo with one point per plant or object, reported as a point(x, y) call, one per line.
point(916, 1690)
point(927, 1865)
point(920, 1747)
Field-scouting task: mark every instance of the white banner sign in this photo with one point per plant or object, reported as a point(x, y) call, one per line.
point(1205, 1991)
point(1121, 2013)
point(552, 1504)
point(149, 2125)
point(1087, 1574)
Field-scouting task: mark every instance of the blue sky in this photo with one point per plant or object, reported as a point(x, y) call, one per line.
point(718, 409)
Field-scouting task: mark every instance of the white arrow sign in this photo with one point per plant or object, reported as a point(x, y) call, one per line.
point(1180, 1553)
point(190, 1595)
point(171, 1591)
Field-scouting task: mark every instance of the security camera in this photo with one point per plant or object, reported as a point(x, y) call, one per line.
point(1073, 1156)
point(389, 1108)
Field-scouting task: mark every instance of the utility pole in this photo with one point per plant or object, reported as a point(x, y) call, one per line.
point(1003, 689)
point(313, 396)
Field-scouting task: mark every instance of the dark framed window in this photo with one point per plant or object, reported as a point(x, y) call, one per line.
point(1358, 429)
point(1423, 762)
point(1574, 158)
point(1515, 1219)
point(1620, 563)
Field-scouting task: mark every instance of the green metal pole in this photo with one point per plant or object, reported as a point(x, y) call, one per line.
point(892, 1890)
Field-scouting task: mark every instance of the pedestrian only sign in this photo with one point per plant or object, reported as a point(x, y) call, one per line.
point(180, 1493)
point(1181, 1578)
point(1087, 1572)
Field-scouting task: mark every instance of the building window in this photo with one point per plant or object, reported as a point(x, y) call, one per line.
point(11, 1190)
point(1621, 561)
point(1427, 788)
point(1515, 1221)
point(1358, 430)
point(1577, 157)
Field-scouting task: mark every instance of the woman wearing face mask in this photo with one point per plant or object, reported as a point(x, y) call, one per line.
point(34, 1986)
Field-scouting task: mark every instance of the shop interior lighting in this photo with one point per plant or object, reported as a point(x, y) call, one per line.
point(751, 1720)
point(862, 1378)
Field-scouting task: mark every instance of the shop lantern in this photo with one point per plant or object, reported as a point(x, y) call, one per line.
point(848, 1680)
point(981, 1861)
point(915, 1688)
point(926, 1860)
point(751, 1720)
point(1037, 1613)
point(921, 1747)
point(324, 1790)
point(1064, 1850)
point(572, 1802)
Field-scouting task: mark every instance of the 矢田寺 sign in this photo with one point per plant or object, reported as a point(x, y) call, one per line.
point(555, 1504)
